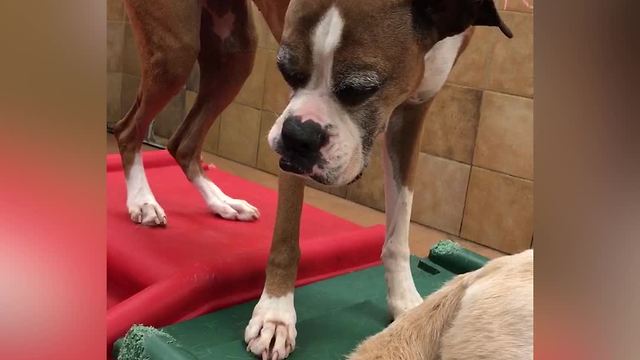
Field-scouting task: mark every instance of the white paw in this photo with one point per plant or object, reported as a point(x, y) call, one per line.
point(403, 301)
point(234, 209)
point(142, 205)
point(223, 205)
point(271, 333)
point(148, 213)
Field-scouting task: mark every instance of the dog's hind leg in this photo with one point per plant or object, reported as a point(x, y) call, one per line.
point(228, 46)
point(167, 37)
point(402, 146)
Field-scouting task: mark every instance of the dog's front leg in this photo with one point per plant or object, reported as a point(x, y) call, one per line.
point(271, 333)
point(401, 150)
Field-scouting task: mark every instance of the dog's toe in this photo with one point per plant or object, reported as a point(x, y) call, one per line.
point(233, 209)
point(274, 342)
point(271, 333)
point(246, 211)
point(148, 214)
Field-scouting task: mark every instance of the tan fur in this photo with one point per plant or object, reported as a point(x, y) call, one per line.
point(485, 314)
point(168, 50)
point(274, 14)
point(404, 137)
point(282, 268)
point(403, 141)
point(171, 35)
point(395, 54)
point(224, 66)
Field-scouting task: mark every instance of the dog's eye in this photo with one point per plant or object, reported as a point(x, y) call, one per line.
point(287, 65)
point(294, 78)
point(354, 95)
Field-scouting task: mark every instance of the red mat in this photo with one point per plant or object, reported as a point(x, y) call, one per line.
point(200, 262)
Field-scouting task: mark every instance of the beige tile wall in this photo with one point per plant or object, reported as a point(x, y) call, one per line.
point(475, 172)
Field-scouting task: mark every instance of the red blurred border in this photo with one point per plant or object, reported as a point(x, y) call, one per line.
point(52, 180)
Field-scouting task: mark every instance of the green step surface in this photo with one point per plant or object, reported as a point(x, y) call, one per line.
point(334, 315)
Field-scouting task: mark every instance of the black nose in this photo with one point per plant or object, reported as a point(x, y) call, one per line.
point(302, 138)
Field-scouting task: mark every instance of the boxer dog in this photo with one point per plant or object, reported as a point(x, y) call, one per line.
point(357, 69)
point(485, 314)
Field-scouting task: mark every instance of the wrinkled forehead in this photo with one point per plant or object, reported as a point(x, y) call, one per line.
point(375, 35)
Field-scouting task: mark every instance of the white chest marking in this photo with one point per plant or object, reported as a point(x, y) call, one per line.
point(437, 66)
point(223, 26)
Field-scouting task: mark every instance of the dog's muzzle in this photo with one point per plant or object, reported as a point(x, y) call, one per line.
point(300, 144)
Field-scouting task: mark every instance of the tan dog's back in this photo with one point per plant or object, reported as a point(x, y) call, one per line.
point(485, 314)
point(495, 318)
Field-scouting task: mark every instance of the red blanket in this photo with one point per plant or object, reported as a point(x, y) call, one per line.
point(200, 262)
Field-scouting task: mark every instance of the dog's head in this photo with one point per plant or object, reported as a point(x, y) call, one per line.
point(350, 63)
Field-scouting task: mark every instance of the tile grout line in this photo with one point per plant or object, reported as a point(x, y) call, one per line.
point(502, 173)
point(466, 198)
point(484, 88)
point(259, 139)
point(472, 165)
point(475, 144)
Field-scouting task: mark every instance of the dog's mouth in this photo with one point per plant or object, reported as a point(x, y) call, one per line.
point(356, 178)
point(294, 167)
point(303, 169)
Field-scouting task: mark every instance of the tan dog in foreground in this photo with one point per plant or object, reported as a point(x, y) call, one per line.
point(485, 314)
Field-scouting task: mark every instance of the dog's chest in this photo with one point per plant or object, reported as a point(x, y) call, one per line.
point(438, 63)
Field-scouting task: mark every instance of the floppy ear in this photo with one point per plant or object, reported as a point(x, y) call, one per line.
point(451, 17)
point(488, 16)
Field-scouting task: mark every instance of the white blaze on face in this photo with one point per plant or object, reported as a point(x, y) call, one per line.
point(324, 41)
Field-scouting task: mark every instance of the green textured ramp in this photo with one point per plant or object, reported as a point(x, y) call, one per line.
point(333, 316)
point(147, 343)
point(455, 258)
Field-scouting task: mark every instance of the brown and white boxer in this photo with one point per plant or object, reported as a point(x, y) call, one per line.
point(357, 68)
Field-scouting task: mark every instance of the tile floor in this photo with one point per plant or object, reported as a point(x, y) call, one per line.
point(421, 237)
